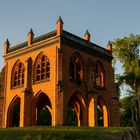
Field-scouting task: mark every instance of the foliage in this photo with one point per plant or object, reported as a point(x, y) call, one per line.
point(125, 111)
point(100, 116)
point(72, 119)
point(118, 83)
point(126, 50)
point(44, 117)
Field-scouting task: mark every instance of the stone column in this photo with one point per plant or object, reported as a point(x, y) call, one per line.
point(25, 112)
point(59, 91)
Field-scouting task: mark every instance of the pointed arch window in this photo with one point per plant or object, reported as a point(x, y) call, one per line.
point(76, 69)
point(99, 75)
point(18, 74)
point(38, 72)
point(42, 68)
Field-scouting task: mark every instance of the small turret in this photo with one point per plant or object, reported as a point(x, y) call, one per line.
point(59, 26)
point(6, 46)
point(109, 46)
point(87, 37)
point(30, 37)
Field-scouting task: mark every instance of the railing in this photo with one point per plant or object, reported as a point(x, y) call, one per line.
point(17, 47)
point(44, 37)
point(84, 42)
point(35, 40)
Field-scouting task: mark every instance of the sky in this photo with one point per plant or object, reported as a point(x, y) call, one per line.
point(105, 19)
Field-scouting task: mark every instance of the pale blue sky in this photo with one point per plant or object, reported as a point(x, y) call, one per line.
point(105, 19)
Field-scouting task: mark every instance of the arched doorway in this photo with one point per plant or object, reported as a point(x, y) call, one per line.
point(42, 110)
point(13, 114)
point(76, 111)
point(102, 112)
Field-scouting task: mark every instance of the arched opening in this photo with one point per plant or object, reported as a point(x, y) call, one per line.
point(102, 112)
point(79, 71)
point(41, 67)
point(17, 76)
point(42, 110)
point(99, 75)
point(76, 111)
point(13, 114)
point(76, 68)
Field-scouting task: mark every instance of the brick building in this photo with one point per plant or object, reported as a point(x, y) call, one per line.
point(57, 72)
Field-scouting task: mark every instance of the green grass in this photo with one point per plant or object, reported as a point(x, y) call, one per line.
point(62, 133)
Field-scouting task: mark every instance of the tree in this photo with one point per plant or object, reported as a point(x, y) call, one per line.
point(125, 111)
point(72, 119)
point(44, 117)
point(126, 50)
point(118, 83)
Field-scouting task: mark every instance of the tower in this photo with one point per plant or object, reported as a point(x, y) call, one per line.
point(62, 75)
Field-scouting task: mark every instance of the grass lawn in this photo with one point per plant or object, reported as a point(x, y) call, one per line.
point(61, 133)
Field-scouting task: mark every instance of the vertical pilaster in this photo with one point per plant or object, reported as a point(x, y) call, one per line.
point(115, 113)
point(4, 101)
point(25, 108)
point(59, 91)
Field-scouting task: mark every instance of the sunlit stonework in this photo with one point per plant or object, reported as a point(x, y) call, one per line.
point(58, 79)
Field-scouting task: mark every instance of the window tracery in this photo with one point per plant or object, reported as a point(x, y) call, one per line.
point(17, 74)
point(76, 69)
point(99, 75)
point(42, 68)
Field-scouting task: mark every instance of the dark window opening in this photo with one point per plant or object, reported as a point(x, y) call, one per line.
point(76, 70)
point(78, 73)
point(71, 71)
point(99, 75)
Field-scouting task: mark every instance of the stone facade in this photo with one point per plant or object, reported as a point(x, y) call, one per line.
point(58, 71)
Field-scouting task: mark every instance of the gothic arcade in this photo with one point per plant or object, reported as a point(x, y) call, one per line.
point(58, 79)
